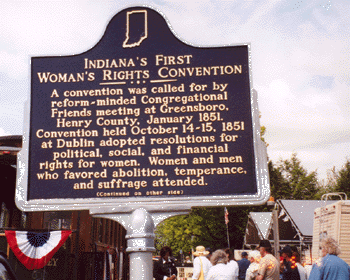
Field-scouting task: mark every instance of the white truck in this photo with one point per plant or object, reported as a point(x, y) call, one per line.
point(332, 220)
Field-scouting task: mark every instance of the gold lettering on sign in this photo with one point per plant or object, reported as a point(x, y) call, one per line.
point(141, 126)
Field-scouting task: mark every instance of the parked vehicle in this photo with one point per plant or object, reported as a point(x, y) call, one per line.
point(333, 220)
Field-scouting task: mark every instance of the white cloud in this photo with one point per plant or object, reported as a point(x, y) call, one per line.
point(53, 27)
point(320, 160)
point(16, 65)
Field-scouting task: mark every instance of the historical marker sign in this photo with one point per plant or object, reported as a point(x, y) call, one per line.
point(144, 118)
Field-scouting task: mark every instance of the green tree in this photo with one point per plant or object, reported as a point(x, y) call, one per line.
point(176, 233)
point(290, 180)
point(204, 226)
point(328, 185)
point(343, 179)
point(278, 184)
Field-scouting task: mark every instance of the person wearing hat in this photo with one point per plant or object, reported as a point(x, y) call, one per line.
point(243, 265)
point(269, 268)
point(289, 267)
point(201, 264)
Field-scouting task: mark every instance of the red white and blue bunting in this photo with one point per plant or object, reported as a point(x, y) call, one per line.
point(35, 249)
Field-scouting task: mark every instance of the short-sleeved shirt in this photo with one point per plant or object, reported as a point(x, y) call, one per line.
point(269, 267)
point(243, 265)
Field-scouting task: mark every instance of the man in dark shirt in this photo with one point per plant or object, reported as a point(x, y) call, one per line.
point(165, 268)
point(243, 265)
point(289, 267)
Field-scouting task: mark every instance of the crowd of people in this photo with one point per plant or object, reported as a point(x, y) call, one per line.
point(259, 264)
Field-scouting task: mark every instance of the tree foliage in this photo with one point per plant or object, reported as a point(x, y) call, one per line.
point(176, 233)
point(289, 180)
point(201, 227)
point(278, 184)
point(206, 226)
point(328, 185)
point(343, 179)
point(262, 134)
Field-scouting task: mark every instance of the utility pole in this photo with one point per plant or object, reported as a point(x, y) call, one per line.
point(275, 228)
point(276, 236)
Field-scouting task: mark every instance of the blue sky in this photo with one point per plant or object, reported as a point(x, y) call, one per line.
point(300, 60)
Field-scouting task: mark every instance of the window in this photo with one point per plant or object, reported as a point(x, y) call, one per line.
point(58, 220)
point(5, 216)
point(23, 220)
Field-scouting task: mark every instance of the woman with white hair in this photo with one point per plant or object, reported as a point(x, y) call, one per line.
point(331, 267)
point(252, 271)
point(220, 270)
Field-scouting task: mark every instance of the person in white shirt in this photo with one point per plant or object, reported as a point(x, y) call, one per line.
point(200, 264)
point(252, 271)
point(301, 268)
point(220, 270)
point(231, 263)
